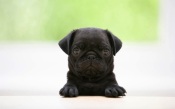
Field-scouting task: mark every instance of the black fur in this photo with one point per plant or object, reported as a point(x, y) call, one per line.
point(90, 55)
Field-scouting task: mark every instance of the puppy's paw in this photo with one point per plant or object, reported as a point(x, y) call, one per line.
point(69, 91)
point(114, 91)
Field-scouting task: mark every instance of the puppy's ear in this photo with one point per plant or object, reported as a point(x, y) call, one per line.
point(66, 43)
point(115, 42)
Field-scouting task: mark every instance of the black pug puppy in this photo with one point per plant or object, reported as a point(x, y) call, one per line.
point(90, 58)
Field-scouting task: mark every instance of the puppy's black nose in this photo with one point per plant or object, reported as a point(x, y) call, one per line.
point(91, 57)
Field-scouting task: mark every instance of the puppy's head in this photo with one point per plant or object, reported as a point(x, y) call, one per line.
point(90, 52)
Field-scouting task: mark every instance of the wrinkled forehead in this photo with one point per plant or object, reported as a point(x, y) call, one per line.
point(91, 35)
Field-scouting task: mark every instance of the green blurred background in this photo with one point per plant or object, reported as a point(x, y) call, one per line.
point(130, 20)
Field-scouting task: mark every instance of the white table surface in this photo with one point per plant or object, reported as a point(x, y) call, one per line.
point(86, 102)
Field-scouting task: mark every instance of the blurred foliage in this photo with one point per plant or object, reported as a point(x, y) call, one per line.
point(131, 20)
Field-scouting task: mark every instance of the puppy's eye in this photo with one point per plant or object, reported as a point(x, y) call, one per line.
point(76, 50)
point(106, 52)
